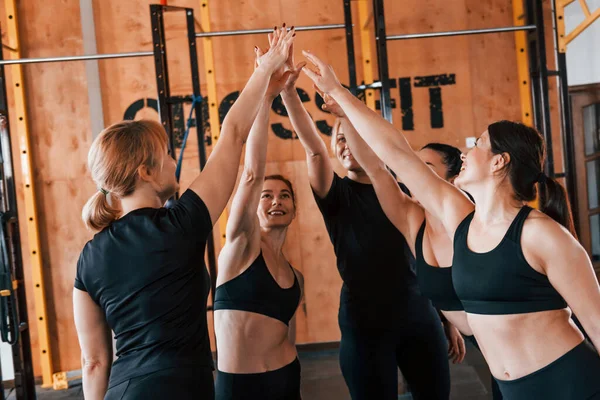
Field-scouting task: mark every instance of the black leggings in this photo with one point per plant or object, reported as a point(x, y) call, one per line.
point(417, 346)
point(496, 393)
point(172, 383)
point(574, 376)
point(280, 384)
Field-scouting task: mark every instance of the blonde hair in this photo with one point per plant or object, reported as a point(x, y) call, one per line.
point(114, 159)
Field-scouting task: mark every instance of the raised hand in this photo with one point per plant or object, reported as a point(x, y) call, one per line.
point(324, 77)
point(330, 104)
point(290, 85)
point(278, 78)
point(279, 47)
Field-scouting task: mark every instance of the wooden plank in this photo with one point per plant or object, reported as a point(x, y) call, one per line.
point(59, 123)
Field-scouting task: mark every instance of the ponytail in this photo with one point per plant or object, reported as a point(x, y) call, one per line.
point(114, 159)
point(554, 203)
point(98, 213)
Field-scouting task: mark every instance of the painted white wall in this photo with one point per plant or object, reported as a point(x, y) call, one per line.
point(583, 53)
point(8, 372)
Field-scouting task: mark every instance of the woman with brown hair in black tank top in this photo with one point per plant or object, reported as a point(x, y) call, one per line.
point(518, 272)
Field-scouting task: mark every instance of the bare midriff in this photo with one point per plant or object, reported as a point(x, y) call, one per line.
point(517, 345)
point(251, 343)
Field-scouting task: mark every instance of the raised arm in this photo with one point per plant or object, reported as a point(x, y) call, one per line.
point(402, 211)
point(441, 198)
point(242, 224)
point(320, 170)
point(215, 184)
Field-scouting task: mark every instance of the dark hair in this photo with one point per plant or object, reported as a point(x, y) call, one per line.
point(450, 157)
point(283, 179)
point(527, 152)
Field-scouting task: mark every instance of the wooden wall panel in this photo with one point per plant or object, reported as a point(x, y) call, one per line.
point(17, 171)
point(59, 127)
point(481, 87)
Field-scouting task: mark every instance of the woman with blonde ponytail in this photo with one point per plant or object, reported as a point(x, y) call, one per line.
point(142, 276)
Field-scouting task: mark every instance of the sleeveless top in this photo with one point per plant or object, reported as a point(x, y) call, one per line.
point(435, 282)
point(500, 281)
point(255, 290)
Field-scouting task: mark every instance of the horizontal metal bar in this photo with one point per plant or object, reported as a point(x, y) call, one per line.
point(269, 30)
point(76, 58)
point(461, 33)
point(374, 85)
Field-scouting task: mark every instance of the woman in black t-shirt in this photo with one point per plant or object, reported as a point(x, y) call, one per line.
point(385, 323)
point(143, 274)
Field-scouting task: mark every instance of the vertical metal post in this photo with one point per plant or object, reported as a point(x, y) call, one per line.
point(381, 43)
point(538, 63)
point(566, 115)
point(350, 46)
point(162, 75)
point(210, 244)
point(21, 350)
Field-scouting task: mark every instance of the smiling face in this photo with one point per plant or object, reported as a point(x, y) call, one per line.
point(342, 151)
point(276, 208)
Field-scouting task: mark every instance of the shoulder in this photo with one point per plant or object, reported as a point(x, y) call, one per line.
point(546, 239)
point(543, 229)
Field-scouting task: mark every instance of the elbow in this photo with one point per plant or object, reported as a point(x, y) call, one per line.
point(316, 155)
point(94, 366)
point(234, 131)
point(251, 175)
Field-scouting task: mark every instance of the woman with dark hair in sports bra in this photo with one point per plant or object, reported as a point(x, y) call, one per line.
point(258, 291)
point(518, 272)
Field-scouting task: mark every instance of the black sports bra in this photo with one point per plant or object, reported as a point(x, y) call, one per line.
point(255, 290)
point(435, 282)
point(500, 281)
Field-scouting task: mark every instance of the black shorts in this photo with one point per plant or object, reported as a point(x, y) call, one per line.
point(172, 383)
point(574, 376)
point(280, 384)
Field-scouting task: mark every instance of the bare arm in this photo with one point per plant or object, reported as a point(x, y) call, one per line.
point(96, 345)
point(320, 170)
point(243, 234)
point(568, 268)
point(442, 199)
point(215, 184)
point(406, 215)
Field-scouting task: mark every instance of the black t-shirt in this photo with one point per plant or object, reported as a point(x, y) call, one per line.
point(372, 255)
point(147, 272)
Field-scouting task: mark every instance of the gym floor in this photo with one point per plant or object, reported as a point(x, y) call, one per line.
point(322, 379)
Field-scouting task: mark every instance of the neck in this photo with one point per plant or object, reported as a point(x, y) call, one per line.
point(141, 198)
point(273, 239)
point(359, 176)
point(495, 202)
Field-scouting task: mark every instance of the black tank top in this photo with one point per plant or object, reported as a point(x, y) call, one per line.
point(435, 282)
point(255, 290)
point(500, 281)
